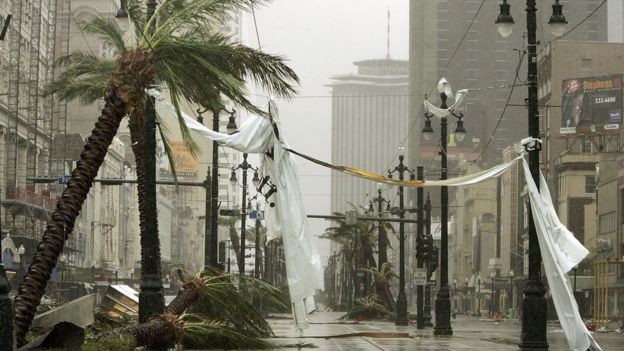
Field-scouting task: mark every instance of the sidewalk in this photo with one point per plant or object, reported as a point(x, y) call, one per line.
point(327, 332)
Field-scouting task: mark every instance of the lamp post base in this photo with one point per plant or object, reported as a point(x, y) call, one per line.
point(401, 310)
point(151, 299)
point(427, 312)
point(6, 313)
point(443, 313)
point(533, 335)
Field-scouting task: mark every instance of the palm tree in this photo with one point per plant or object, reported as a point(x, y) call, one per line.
point(230, 223)
point(182, 53)
point(356, 241)
point(381, 283)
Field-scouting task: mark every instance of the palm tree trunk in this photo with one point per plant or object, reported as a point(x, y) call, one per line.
point(189, 294)
point(61, 222)
point(235, 239)
point(150, 251)
point(160, 332)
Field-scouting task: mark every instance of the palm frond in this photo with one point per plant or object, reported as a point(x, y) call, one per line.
point(85, 77)
point(108, 31)
point(204, 333)
point(174, 16)
point(227, 297)
point(87, 91)
point(136, 15)
point(189, 142)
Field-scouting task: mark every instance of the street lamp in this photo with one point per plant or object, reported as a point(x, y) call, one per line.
point(443, 303)
point(231, 127)
point(20, 273)
point(454, 295)
point(382, 239)
point(63, 260)
point(511, 276)
point(212, 192)
point(431, 257)
point(245, 166)
point(401, 299)
point(479, 295)
point(533, 333)
point(492, 275)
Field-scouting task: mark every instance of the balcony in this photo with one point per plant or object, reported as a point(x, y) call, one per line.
point(25, 201)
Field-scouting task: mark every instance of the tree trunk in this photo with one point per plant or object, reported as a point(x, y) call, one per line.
point(235, 239)
point(61, 222)
point(190, 293)
point(160, 332)
point(150, 253)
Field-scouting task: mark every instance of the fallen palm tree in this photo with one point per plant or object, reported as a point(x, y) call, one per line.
point(223, 317)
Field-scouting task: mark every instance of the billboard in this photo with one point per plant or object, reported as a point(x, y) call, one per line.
point(591, 105)
point(185, 164)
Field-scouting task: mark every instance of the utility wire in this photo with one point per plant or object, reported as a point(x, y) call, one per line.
point(580, 23)
point(511, 91)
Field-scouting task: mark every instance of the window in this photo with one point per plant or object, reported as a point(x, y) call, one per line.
point(590, 184)
point(607, 223)
point(586, 63)
point(586, 146)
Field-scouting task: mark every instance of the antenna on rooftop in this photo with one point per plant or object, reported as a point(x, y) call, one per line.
point(388, 37)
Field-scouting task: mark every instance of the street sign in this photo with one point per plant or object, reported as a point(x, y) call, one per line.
point(64, 179)
point(350, 217)
point(420, 276)
point(255, 214)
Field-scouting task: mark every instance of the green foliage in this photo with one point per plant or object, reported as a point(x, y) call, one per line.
point(190, 59)
point(204, 333)
point(112, 342)
point(369, 308)
point(228, 297)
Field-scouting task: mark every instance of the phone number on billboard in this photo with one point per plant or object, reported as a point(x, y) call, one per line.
point(605, 100)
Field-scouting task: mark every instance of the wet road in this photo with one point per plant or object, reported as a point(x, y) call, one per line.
point(468, 334)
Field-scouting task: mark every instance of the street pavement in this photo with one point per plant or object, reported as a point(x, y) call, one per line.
point(327, 332)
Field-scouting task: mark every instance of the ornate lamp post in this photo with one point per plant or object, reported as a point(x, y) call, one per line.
point(212, 189)
point(479, 296)
point(511, 276)
point(402, 298)
point(492, 275)
point(382, 238)
point(244, 166)
point(431, 257)
point(21, 251)
point(533, 335)
point(443, 303)
point(454, 296)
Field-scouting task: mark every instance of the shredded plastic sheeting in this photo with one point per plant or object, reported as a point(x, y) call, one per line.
point(561, 251)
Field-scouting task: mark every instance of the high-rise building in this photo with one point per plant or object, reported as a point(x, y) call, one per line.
point(369, 110)
point(470, 54)
point(26, 56)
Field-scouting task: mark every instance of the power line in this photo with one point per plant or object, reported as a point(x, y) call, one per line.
point(517, 77)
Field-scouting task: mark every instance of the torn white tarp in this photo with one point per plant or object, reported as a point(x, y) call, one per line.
point(560, 253)
point(473, 178)
point(288, 218)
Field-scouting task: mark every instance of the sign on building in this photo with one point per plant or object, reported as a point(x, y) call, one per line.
point(185, 163)
point(591, 105)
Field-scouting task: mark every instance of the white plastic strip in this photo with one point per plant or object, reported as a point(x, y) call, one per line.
point(560, 252)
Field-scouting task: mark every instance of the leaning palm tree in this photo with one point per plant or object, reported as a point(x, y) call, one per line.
point(181, 53)
point(230, 223)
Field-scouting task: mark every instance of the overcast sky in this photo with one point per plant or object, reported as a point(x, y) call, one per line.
point(322, 38)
